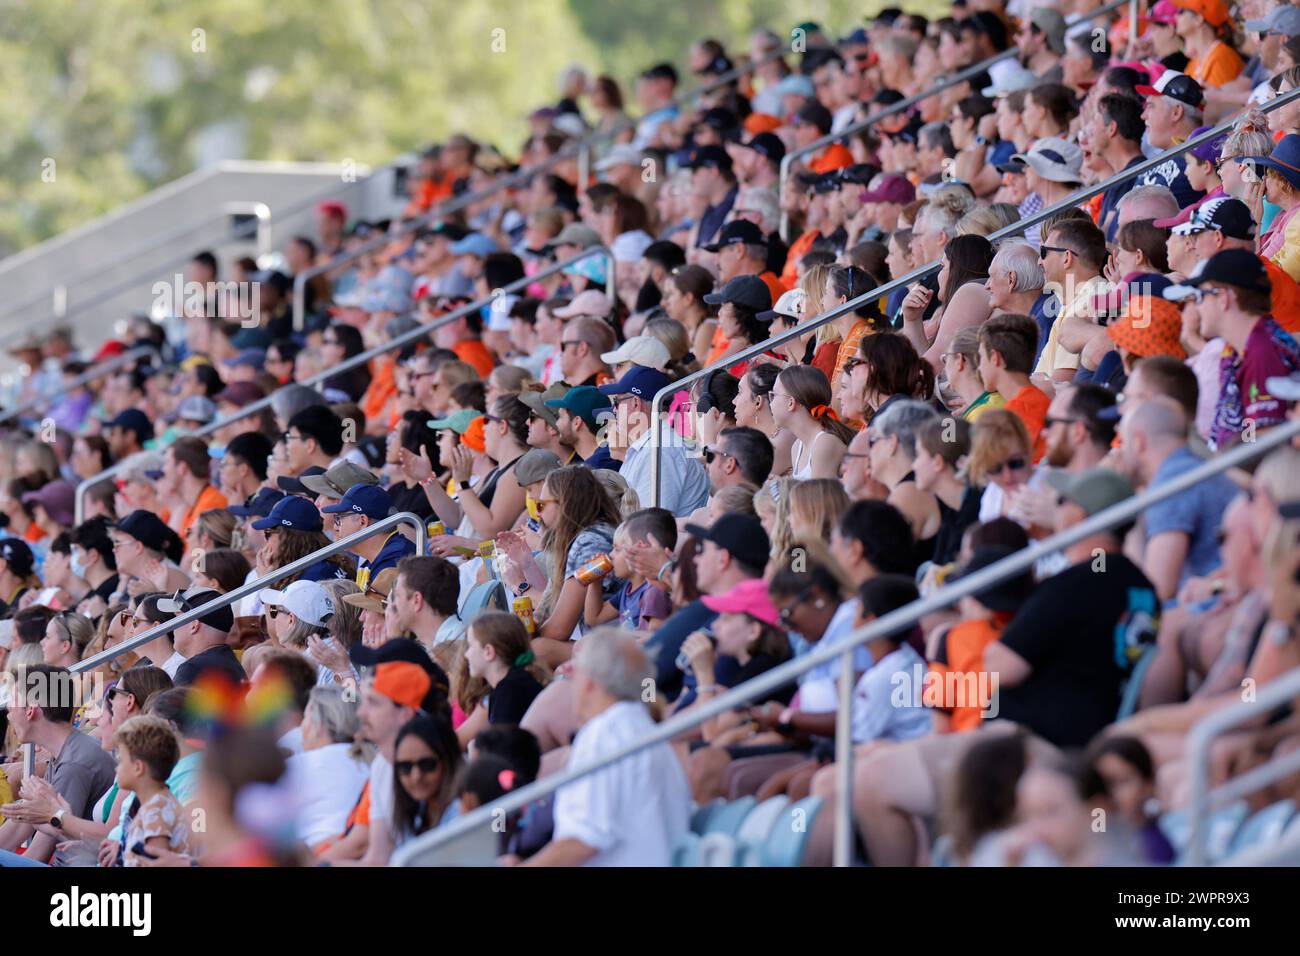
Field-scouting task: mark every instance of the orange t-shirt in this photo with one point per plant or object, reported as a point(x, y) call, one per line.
point(1030, 406)
point(475, 353)
point(962, 654)
point(718, 347)
point(208, 499)
point(1221, 65)
point(774, 285)
point(832, 158)
point(382, 387)
point(1285, 296)
point(799, 249)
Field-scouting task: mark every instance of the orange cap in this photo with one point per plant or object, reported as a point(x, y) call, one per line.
point(1149, 326)
point(1215, 12)
point(473, 437)
point(756, 123)
point(403, 683)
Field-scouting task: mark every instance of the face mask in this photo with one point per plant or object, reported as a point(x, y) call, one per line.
point(78, 568)
point(531, 504)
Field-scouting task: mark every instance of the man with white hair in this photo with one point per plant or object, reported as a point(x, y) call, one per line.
point(1015, 285)
point(1146, 202)
point(1173, 110)
point(634, 811)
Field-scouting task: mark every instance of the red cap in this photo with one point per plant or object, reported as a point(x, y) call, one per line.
point(333, 208)
point(108, 350)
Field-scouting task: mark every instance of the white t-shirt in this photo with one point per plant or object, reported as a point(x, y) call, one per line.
point(381, 791)
point(887, 700)
point(327, 782)
point(173, 664)
point(291, 740)
point(632, 812)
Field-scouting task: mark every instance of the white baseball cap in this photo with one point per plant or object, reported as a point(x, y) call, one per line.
point(305, 600)
point(643, 350)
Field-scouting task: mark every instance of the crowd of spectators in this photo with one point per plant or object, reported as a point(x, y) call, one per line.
point(567, 601)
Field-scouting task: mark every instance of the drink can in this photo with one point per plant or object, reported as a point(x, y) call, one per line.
point(595, 569)
point(437, 528)
point(487, 550)
point(523, 609)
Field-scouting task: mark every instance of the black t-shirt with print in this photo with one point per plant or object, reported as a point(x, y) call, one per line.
point(1080, 632)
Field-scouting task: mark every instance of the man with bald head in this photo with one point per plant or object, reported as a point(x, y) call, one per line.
point(1181, 531)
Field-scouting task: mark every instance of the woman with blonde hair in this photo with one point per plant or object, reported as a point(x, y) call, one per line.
point(1001, 459)
point(815, 508)
point(801, 402)
point(681, 360)
point(984, 220)
point(624, 496)
point(214, 529)
point(508, 380)
point(772, 506)
point(826, 339)
point(733, 499)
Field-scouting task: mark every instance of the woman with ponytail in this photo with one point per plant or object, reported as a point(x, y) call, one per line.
point(498, 650)
point(801, 403)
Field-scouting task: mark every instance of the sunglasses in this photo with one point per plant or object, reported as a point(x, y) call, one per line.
point(1044, 250)
point(786, 613)
point(710, 454)
point(1011, 464)
point(425, 765)
point(851, 363)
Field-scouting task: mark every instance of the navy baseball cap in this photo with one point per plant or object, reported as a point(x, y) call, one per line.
point(134, 420)
point(714, 156)
point(735, 232)
point(639, 381)
point(292, 484)
point(369, 500)
point(768, 145)
point(259, 505)
point(749, 291)
point(294, 513)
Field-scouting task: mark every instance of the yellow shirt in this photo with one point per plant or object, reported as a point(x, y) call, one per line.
point(1288, 257)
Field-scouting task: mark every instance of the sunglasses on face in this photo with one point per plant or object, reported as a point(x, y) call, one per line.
point(710, 454)
point(425, 765)
point(786, 613)
point(1011, 464)
point(1044, 250)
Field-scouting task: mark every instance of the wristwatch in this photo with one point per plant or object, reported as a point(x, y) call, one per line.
point(56, 821)
point(522, 589)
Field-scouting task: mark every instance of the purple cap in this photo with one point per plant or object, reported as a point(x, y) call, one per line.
point(891, 189)
point(1207, 152)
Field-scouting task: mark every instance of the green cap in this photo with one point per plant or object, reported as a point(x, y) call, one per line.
point(585, 402)
point(1094, 490)
point(456, 421)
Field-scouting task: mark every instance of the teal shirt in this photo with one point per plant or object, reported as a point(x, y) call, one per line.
point(183, 783)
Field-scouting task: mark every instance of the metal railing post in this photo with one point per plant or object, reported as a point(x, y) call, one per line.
point(843, 852)
point(252, 587)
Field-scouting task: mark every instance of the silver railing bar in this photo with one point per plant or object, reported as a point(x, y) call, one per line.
point(89, 375)
point(252, 587)
point(944, 597)
point(405, 338)
point(945, 83)
point(262, 234)
point(1281, 691)
point(1016, 228)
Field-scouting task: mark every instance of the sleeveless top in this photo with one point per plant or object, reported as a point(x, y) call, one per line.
point(796, 451)
point(923, 550)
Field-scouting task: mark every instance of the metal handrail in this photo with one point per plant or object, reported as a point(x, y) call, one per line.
point(262, 231)
point(944, 84)
point(89, 375)
point(891, 623)
point(1283, 690)
point(867, 298)
point(581, 150)
point(252, 587)
point(260, 210)
point(398, 342)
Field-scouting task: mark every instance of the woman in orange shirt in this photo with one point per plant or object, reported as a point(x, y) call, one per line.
point(1211, 61)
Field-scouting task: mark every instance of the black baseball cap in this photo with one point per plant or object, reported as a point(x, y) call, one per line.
point(814, 113)
point(705, 156)
point(766, 144)
point(859, 174)
point(820, 182)
point(750, 291)
point(735, 232)
point(132, 419)
point(740, 535)
point(401, 649)
point(720, 118)
point(221, 619)
point(147, 528)
point(1235, 267)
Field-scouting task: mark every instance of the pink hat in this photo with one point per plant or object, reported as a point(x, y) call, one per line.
point(747, 597)
point(589, 302)
point(1166, 12)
